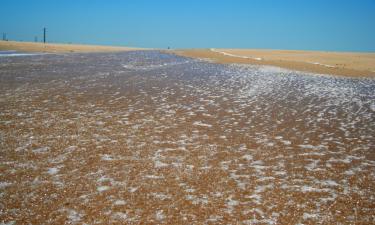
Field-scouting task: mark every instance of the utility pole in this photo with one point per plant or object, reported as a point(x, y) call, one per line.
point(4, 36)
point(44, 35)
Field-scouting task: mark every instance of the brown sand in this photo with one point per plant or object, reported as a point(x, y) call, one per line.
point(334, 63)
point(49, 47)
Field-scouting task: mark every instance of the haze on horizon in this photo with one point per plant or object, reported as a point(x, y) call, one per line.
point(307, 25)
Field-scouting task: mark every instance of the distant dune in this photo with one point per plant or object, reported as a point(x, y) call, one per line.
point(336, 63)
point(49, 47)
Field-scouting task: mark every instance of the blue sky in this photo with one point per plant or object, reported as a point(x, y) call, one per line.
point(339, 25)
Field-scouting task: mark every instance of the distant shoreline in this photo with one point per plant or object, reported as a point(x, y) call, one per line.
point(59, 48)
point(348, 64)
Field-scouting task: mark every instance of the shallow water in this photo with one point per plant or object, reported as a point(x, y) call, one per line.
point(13, 53)
point(150, 137)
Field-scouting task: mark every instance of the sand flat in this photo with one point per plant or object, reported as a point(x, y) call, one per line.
point(59, 48)
point(334, 63)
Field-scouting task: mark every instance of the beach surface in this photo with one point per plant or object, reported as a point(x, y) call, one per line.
point(59, 48)
point(144, 137)
point(348, 64)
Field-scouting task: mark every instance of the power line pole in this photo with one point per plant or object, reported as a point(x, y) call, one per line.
point(44, 35)
point(4, 36)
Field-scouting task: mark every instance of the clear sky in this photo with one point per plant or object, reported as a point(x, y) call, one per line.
point(340, 25)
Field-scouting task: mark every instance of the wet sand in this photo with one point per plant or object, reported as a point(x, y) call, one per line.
point(334, 63)
point(59, 48)
point(150, 138)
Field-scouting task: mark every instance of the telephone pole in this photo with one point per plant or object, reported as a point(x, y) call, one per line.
point(44, 35)
point(4, 36)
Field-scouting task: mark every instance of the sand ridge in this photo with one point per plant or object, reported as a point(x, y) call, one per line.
point(348, 64)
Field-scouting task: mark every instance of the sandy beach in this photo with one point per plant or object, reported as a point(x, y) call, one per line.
point(59, 48)
point(348, 64)
point(144, 137)
point(187, 112)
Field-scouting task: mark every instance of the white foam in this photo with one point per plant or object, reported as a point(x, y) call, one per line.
point(8, 223)
point(159, 164)
point(154, 177)
point(159, 215)
point(372, 106)
point(103, 188)
point(107, 157)
point(237, 56)
point(133, 189)
point(120, 216)
point(4, 184)
point(119, 202)
point(41, 150)
point(320, 64)
point(74, 216)
point(18, 54)
point(53, 171)
point(201, 124)
point(248, 157)
point(309, 216)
